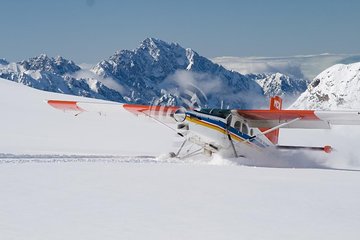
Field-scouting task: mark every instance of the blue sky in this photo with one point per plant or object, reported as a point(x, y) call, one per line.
point(91, 30)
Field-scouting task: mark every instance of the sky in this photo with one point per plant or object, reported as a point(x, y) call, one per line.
point(88, 31)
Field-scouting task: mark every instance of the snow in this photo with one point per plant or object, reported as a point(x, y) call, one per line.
point(335, 88)
point(30, 126)
point(278, 84)
point(115, 187)
point(97, 200)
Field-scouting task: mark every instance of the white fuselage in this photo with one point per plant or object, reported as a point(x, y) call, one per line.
point(230, 136)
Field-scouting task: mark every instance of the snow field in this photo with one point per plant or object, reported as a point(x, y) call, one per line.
point(99, 200)
point(106, 191)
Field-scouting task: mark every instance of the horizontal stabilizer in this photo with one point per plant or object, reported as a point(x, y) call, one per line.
point(327, 149)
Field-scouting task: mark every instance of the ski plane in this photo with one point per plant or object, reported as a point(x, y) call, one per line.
point(231, 133)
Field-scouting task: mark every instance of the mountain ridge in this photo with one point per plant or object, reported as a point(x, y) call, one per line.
point(156, 72)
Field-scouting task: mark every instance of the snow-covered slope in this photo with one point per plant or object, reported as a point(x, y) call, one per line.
point(337, 87)
point(31, 126)
point(119, 197)
point(99, 200)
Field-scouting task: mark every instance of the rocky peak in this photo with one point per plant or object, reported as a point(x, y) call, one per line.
point(3, 61)
point(155, 62)
point(278, 84)
point(58, 65)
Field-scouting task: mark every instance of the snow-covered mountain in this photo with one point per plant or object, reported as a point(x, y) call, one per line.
point(278, 84)
point(162, 73)
point(57, 65)
point(3, 61)
point(337, 87)
point(156, 72)
point(55, 75)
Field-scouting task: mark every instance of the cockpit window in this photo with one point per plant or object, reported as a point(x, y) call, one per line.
point(222, 113)
point(228, 121)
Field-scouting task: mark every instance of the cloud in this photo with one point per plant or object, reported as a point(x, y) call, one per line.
point(209, 89)
point(85, 73)
point(208, 83)
point(260, 65)
point(307, 66)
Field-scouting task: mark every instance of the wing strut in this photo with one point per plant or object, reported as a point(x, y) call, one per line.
point(276, 127)
point(272, 129)
point(231, 141)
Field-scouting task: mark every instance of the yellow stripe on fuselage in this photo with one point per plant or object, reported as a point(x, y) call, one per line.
point(214, 127)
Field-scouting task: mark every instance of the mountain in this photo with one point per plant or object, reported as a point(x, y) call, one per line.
point(56, 65)
point(55, 75)
point(278, 84)
point(161, 73)
point(337, 87)
point(156, 72)
point(3, 61)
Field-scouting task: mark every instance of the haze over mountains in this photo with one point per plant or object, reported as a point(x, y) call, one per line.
point(301, 66)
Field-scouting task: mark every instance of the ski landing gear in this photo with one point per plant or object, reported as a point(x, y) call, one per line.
point(187, 152)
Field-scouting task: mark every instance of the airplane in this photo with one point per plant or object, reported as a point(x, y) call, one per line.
point(228, 132)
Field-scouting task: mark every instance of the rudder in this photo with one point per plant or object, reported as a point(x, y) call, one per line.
point(275, 104)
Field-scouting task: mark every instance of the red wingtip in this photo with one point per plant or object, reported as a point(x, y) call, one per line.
point(328, 149)
point(65, 105)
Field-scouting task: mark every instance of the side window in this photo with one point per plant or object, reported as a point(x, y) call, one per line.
point(245, 128)
point(229, 120)
point(237, 125)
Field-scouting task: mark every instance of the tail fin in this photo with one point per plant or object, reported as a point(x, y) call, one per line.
point(275, 104)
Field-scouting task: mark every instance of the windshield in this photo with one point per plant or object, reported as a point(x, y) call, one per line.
point(222, 113)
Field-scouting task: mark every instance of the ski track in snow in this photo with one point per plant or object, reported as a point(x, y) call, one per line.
point(305, 163)
point(23, 159)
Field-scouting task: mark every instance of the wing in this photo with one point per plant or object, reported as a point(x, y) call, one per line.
point(82, 106)
point(310, 119)
point(162, 113)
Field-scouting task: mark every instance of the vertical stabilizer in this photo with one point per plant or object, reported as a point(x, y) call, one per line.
point(275, 104)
